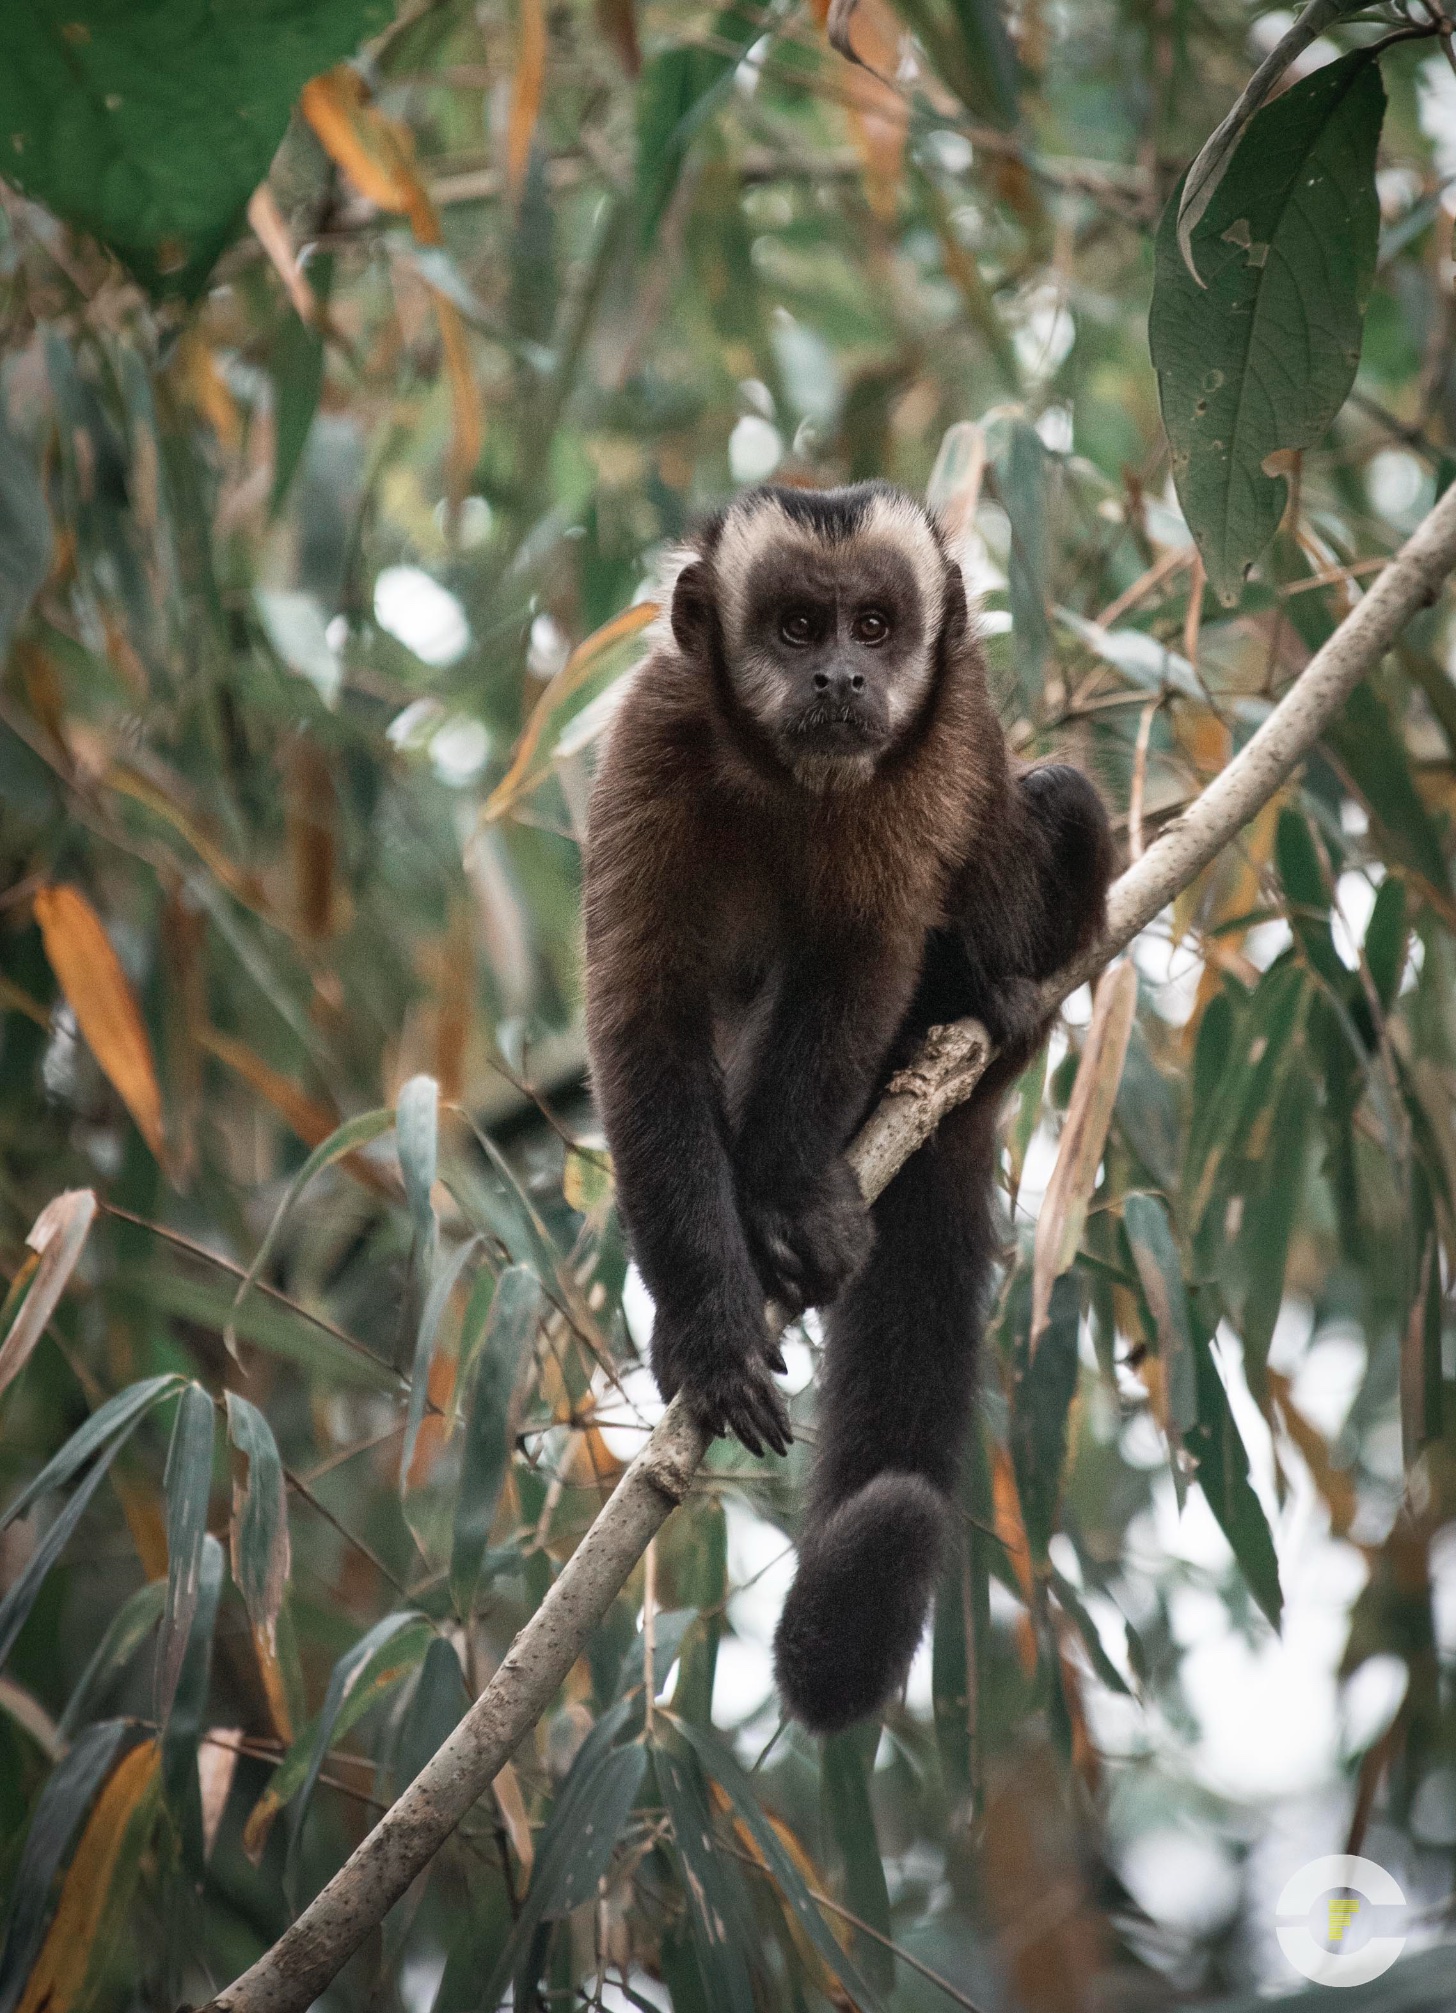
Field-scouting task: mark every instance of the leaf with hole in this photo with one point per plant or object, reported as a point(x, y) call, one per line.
point(1256, 363)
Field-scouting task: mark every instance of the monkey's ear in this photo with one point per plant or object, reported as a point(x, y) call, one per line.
point(955, 621)
point(692, 609)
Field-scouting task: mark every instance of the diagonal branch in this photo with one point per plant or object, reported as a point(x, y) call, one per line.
point(290, 1976)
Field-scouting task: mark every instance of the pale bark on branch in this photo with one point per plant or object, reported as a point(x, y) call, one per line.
point(290, 1975)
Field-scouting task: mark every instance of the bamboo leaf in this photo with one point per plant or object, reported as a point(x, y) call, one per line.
point(844, 1796)
point(259, 1529)
point(182, 1732)
point(417, 1137)
point(447, 1277)
point(57, 1236)
point(25, 534)
point(1160, 1271)
point(98, 1884)
point(109, 1422)
point(188, 1483)
point(100, 995)
point(1222, 1464)
point(125, 1633)
point(69, 1791)
point(723, 1768)
point(492, 1376)
point(1046, 1382)
point(719, 1918)
point(347, 1138)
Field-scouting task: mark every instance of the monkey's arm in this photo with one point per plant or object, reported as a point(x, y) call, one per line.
point(660, 1100)
point(835, 1015)
point(1029, 910)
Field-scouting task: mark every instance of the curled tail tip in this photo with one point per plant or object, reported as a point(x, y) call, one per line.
point(856, 1611)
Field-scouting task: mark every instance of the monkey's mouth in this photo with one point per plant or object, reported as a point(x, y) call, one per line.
point(834, 730)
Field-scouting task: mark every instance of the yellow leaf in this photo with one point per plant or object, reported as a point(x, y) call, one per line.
point(512, 1807)
point(97, 1884)
point(375, 152)
point(1064, 1207)
point(467, 411)
point(1009, 1527)
point(524, 772)
point(526, 89)
point(310, 1119)
point(272, 234)
point(90, 975)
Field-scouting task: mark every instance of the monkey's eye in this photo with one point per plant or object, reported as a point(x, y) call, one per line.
point(797, 628)
point(871, 626)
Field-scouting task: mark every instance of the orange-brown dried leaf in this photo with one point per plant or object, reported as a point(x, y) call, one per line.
point(99, 992)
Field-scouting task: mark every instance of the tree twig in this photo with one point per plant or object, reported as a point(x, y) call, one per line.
point(288, 1977)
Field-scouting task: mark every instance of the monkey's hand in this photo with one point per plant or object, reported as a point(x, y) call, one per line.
point(809, 1247)
point(725, 1374)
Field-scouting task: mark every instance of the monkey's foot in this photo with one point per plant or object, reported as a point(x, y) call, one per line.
point(807, 1251)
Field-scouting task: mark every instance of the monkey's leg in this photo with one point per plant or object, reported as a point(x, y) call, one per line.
point(894, 1404)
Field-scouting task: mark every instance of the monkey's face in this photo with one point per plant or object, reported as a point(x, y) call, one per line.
point(833, 656)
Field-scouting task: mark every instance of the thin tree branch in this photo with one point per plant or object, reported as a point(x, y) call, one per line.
point(290, 1976)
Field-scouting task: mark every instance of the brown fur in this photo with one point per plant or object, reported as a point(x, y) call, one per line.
point(772, 922)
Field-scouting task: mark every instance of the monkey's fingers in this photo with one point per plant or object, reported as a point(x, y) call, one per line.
point(761, 1407)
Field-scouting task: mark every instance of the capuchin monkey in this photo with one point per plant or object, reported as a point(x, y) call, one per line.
point(807, 844)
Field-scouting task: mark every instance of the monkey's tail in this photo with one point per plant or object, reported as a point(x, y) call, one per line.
point(896, 1397)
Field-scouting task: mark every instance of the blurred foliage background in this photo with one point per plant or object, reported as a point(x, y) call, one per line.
point(341, 434)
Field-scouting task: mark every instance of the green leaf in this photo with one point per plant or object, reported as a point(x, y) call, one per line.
point(60, 1809)
point(1091, 1635)
point(25, 533)
point(724, 1768)
point(435, 1711)
point(1308, 897)
point(260, 1550)
point(20, 1597)
point(967, 42)
point(417, 1140)
point(376, 1663)
point(492, 1375)
point(573, 1851)
point(183, 1729)
point(1160, 1271)
point(443, 1284)
point(1222, 1464)
point(844, 1796)
point(1270, 1212)
point(1259, 361)
point(719, 1915)
point(113, 1419)
point(1021, 484)
point(346, 1138)
point(297, 369)
point(96, 123)
point(1373, 755)
point(125, 1633)
point(188, 1482)
point(1044, 1387)
point(1387, 935)
point(679, 92)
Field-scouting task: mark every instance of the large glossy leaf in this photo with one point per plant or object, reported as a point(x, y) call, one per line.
point(1257, 361)
point(63, 1803)
point(151, 126)
point(188, 1484)
point(514, 1312)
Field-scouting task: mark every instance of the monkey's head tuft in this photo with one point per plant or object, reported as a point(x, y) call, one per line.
point(827, 610)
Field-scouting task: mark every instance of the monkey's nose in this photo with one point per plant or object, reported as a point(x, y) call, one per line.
point(841, 682)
